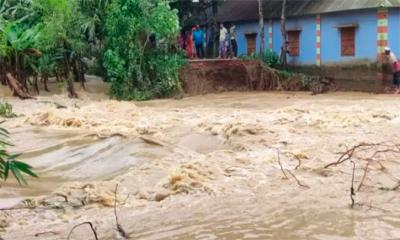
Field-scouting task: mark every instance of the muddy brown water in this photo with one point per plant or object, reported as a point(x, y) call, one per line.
point(203, 167)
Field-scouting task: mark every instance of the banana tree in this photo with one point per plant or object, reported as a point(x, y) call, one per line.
point(17, 43)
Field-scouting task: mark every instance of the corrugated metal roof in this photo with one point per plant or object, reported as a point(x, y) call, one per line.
point(242, 10)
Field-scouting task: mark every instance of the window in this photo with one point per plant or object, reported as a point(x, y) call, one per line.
point(251, 39)
point(294, 43)
point(347, 38)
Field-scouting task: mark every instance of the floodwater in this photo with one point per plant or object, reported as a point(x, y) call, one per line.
point(221, 166)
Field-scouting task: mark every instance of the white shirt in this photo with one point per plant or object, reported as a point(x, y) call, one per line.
point(222, 34)
point(392, 58)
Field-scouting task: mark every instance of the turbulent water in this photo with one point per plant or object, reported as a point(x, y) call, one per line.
point(222, 166)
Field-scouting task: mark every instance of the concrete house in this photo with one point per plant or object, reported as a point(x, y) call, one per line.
point(320, 32)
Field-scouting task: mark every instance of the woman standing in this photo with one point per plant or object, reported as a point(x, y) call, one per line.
point(189, 44)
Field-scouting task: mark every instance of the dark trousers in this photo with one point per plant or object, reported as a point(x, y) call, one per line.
point(200, 50)
point(396, 79)
point(234, 48)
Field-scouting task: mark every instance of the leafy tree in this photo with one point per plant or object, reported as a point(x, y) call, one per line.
point(139, 59)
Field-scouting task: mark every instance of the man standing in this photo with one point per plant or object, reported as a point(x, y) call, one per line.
point(234, 47)
point(198, 37)
point(222, 41)
point(395, 66)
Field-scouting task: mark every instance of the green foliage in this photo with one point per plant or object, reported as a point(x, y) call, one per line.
point(269, 58)
point(284, 74)
point(137, 69)
point(6, 110)
point(9, 164)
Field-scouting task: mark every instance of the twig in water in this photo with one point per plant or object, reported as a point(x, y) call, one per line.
point(352, 193)
point(348, 155)
point(291, 174)
point(297, 180)
point(47, 232)
point(297, 158)
point(280, 164)
point(363, 177)
point(91, 227)
point(120, 230)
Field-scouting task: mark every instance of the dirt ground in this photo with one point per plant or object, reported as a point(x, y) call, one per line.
point(220, 166)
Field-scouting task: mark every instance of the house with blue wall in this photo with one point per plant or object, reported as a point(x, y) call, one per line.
point(319, 32)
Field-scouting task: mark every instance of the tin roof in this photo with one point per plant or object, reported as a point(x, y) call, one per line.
point(244, 10)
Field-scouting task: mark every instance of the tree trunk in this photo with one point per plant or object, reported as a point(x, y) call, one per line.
point(36, 84)
point(81, 72)
point(70, 87)
point(69, 78)
point(17, 88)
point(283, 57)
point(215, 28)
point(262, 32)
point(45, 81)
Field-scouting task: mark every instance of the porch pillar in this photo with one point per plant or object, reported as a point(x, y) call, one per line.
point(382, 30)
point(318, 40)
point(270, 34)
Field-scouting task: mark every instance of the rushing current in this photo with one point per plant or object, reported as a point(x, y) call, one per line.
point(228, 166)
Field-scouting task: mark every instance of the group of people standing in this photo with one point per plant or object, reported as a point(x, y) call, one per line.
point(193, 42)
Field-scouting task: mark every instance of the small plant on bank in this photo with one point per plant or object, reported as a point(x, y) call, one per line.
point(6, 110)
point(8, 162)
point(269, 58)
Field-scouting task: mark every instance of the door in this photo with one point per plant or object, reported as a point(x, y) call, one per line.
point(251, 39)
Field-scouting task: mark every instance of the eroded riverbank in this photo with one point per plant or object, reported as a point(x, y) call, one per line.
point(203, 167)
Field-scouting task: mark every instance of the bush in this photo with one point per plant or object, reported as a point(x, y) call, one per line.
point(138, 60)
point(269, 58)
point(8, 162)
point(6, 110)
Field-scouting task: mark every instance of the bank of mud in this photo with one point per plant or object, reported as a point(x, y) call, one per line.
point(203, 167)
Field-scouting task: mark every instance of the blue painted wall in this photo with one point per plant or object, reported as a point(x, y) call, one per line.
point(366, 35)
point(307, 25)
point(249, 27)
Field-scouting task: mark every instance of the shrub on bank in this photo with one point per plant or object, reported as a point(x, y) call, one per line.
point(140, 60)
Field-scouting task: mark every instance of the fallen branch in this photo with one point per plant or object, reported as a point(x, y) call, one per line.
point(349, 154)
point(120, 230)
point(84, 223)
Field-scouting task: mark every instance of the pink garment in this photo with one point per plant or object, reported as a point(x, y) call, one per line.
point(396, 66)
